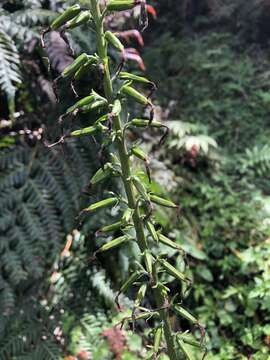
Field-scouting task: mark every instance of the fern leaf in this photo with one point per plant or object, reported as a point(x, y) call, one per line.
point(9, 68)
point(39, 194)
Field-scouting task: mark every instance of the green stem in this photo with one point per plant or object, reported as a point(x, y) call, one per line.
point(126, 172)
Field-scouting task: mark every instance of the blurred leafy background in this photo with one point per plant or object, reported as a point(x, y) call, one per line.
point(210, 59)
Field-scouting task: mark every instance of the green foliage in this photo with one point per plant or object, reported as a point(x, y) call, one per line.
point(186, 136)
point(223, 228)
point(9, 68)
point(257, 160)
point(28, 334)
point(214, 77)
point(213, 86)
point(39, 201)
point(224, 224)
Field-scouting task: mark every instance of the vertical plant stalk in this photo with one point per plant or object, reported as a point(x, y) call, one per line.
point(161, 301)
point(135, 191)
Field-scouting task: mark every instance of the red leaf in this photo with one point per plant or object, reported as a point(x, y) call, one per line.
point(151, 10)
point(132, 54)
point(129, 34)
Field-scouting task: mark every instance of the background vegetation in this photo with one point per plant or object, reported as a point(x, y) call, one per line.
point(210, 60)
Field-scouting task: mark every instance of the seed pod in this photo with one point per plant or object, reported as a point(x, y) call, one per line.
point(127, 216)
point(83, 70)
point(113, 227)
point(184, 349)
point(94, 106)
point(136, 151)
point(102, 119)
point(114, 41)
point(131, 280)
point(135, 94)
point(113, 244)
point(102, 204)
point(141, 123)
point(81, 103)
point(140, 295)
point(73, 67)
point(157, 339)
point(185, 314)
point(166, 241)
point(121, 5)
point(152, 231)
point(173, 271)
point(139, 153)
point(117, 107)
point(145, 123)
point(164, 290)
point(163, 202)
point(146, 315)
point(67, 15)
point(101, 174)
point(88, 130)
point(148, 260)
point(140, 188)
point(128, 76)
point(190, 340)
point(80, 19)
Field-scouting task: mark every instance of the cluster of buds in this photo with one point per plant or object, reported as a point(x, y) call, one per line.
point(138, 202)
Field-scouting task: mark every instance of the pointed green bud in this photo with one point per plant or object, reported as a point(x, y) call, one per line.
point(83, 70)
point(121, 5)
point(113, 244)
point(130, 281)
point(102, 174)
point(157, 339)
point(166, 241)
point(90, 130)
point(114, 41)
point(127, 216)
point(67, 15)
point(140, 188)
point(139, 153)
point(79, 20)
point(163, 202)
point(145, 123)
point(81, 103)
point(117, 107)
point(140, 295)
point(135, 94)
point(152, 231)
point(128, 76)
point(185, 314)
point(184, 349)
point(148, 260)
point(113, 227)
point(75, 65)
point(95, 105)
point(171, 270)
point(102, 204)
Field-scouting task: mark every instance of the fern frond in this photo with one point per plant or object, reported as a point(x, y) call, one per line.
point(9, 68)
point(257, 159)
point(18, 32)
point(102, 286)
point(32, 17)
point(39, 193)
point(28, 334)
point(187, 136)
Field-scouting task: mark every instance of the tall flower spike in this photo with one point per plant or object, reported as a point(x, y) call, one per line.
point(137, 199)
